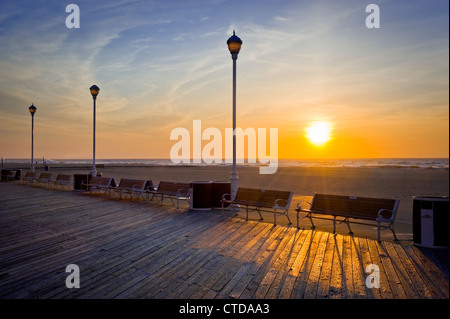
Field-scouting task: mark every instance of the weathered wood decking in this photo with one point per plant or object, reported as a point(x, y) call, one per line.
point(130, 249)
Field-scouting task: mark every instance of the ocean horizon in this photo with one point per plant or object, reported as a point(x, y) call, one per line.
point(428, 163)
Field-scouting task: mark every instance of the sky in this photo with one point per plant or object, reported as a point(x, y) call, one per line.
point(160, 65)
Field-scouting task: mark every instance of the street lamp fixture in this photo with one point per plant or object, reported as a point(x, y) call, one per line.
point(94, 91)
point(32, 110)
point(234, 45)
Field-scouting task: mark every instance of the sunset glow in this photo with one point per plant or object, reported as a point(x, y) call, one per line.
point(318, 133)
point(161, 65)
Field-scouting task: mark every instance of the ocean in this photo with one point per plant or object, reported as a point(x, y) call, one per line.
point(429, 163)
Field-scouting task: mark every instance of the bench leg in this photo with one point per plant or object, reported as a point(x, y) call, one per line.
point(348, 225)
point(308, 215)
point(287, 215)
point(378, 230)
point(284, 213)
point(259, 212)
point(350, 232)
point(310, 219)
point(391, 227)
point(334, 224)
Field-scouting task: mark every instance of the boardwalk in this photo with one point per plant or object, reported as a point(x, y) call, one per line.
point(133, 249)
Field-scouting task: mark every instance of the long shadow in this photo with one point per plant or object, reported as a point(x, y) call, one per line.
point(338, 254)
point(361, 268)
point(440, 257)
point(401, 272)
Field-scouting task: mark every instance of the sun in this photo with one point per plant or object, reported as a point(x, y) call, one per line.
point(319, 133)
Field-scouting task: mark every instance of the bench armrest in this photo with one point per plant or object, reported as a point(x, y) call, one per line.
point(224, 197)
point(299, 208)
point(183, 192)
point(276, 205)
point(384, 210)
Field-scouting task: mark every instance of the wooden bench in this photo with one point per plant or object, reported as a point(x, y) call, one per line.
point(30, 177)
point(172, 190)
point(274, 201)
point(8, 176)
point(379, 210)
point(62, 180)
point(132, 186)
point(44, 179)
point(98, 184)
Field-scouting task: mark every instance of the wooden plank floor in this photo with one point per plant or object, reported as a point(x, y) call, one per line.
point(134, 249)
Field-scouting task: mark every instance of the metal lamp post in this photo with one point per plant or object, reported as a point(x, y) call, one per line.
point(32, 110)
point(94, 91)
point(234, 45)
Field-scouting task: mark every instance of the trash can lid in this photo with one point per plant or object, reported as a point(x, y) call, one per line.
point(432, 198)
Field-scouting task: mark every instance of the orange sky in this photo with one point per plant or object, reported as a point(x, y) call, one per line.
point(384, 92)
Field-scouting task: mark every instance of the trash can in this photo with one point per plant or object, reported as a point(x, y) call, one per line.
point(78, 179)
point(431, 221)
point(217, 191)
point(201, 195)
point(4, 176)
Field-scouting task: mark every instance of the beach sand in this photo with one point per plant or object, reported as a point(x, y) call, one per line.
point(402, 183)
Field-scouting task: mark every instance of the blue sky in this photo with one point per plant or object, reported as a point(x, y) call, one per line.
point(162, 64)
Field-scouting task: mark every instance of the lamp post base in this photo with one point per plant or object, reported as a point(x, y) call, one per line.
point(234, 179)
point(234, 185)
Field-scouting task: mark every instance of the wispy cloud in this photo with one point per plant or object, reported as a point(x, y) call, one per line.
point(161, 64)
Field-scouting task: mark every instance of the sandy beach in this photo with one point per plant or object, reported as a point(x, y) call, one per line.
point(402, 183)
